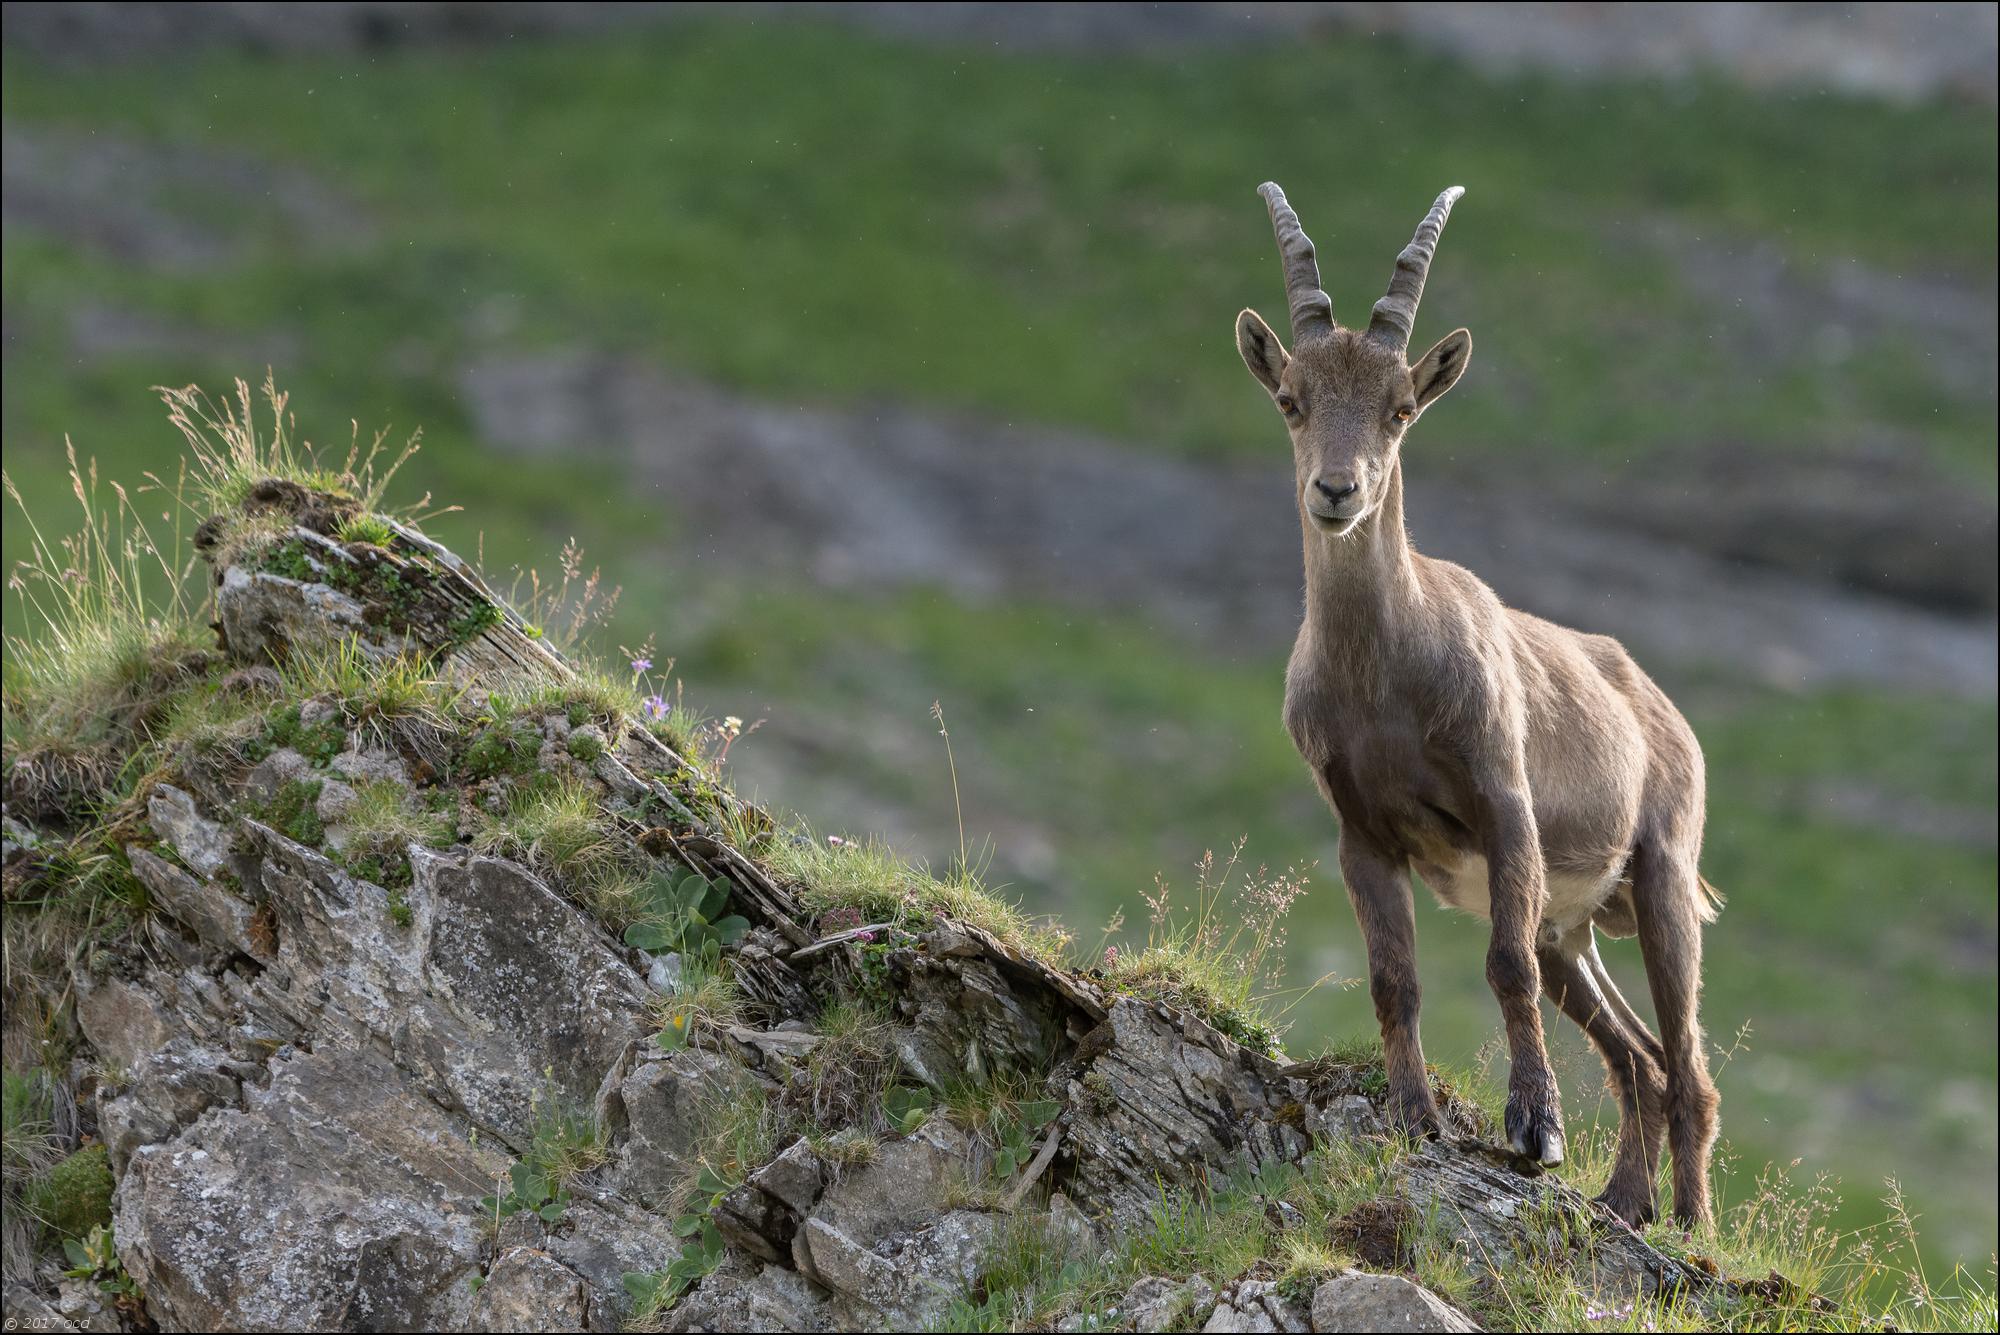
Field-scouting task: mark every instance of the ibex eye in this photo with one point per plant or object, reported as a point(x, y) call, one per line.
point(1287, 404)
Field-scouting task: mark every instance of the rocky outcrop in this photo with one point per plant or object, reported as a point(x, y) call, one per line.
point(326, 1083)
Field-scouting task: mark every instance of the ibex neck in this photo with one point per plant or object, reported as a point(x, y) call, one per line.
point(1361, 579)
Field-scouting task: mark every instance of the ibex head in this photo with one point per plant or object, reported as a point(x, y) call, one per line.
point(1347, 395)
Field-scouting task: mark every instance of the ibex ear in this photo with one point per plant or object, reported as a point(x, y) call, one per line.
point(1262, 352)
point(1441, 367)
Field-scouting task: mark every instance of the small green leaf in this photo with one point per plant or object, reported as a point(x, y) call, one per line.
point(648, 936)
point(732, 929)
point(1040, 1112)
point(714, 899)
point(551, 1212)
point(906, 1108)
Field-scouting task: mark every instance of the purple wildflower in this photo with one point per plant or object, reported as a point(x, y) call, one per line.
point(864, 937)
point(642, 665)
point(844, 918)
point(655, 707)
point(836, 841)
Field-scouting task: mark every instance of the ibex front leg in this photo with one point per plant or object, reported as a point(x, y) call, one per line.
point(1515, 889)
point(1379, 887)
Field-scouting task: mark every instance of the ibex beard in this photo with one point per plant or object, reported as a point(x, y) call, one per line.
point(1530, 774)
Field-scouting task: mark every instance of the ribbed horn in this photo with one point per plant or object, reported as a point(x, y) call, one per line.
point(1396, 314)
point(1311, 308)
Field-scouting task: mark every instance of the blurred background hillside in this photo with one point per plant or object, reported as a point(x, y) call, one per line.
point(883, 355)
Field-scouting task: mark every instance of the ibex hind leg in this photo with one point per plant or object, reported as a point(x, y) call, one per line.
point(1573, 977)
point(1667, 896)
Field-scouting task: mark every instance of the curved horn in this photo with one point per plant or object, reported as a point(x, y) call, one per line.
point(1396, 314)
point(1312, 309)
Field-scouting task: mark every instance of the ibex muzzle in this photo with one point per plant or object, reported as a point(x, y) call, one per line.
point(1529, 774)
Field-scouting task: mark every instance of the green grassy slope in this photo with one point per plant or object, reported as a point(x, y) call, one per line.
point(813, 212)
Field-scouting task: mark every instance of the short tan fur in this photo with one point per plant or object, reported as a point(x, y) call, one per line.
point(1528, 773)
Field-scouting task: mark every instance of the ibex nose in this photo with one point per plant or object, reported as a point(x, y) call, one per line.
point(1336, 487)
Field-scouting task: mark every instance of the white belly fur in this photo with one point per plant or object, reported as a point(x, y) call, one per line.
point(1567, 904)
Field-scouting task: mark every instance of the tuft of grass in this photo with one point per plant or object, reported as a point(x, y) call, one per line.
point(231, 454)
point(843, 1148)
point(369, 528)
point(706, 999)
point(736, 1133)
point(566, 1144)
point(590, 695)
point(27, 1126)
point(108, 631)
point(848, 1070)
point(379, 826)
point(1222, 961)
point(558, 825)
point(868, 877)
point(393, 696)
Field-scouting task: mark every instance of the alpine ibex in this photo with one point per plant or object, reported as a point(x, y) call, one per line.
point(1530, 774)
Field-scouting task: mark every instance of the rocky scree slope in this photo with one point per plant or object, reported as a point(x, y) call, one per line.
point(349, 1080)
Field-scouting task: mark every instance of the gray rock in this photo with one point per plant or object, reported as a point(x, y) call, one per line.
point(274, 771)
point(531, 999)
point(201, 843)
point(758, 1224)
point(23, 1309)
point(264, 617)
point(744, 1296)
point(1359, 1301)
point(762, 1216)
point(214, 914)
point(333, 801)
point(337, 1197)
point(164, 1092)
point(1347, 1117)
point(1070, 1227)
point(664, 973)
point(601, 1237)
point(663, 1105)
point(1165, 1092)
point(313, 713)
point(1255, 1305)
point(778, 1052)
point(1482, 1205)
point(371, 765)
point(905, 1282)
point(529, 1290)
point(794, 1178)
point(876, 1237)
point(124, 1020)
point(900, 1188)
point(83, 1306)
point(1157, 1303)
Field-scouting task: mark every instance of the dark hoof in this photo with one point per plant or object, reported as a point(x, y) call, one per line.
point(1419, 1119)
point(1535, 1133)
point(1696, 1220)
point(1633, 1210)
